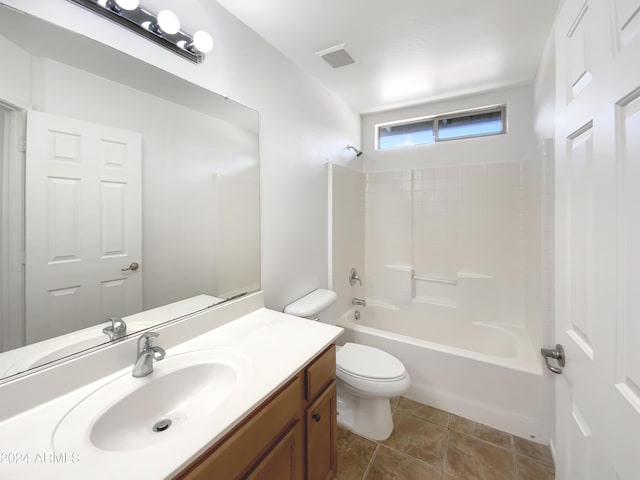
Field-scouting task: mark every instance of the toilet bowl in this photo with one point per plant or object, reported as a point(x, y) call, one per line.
point(367, 377)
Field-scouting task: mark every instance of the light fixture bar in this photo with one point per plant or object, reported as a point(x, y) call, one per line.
point(145, 23)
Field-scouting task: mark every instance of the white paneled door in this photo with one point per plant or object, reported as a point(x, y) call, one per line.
point(82, 224)
point(598, 239)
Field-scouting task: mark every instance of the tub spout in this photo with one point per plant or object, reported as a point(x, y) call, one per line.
point(361, 302)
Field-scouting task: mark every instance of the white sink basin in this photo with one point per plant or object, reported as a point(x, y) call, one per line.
point(182, 391)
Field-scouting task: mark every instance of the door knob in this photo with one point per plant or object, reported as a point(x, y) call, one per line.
point(555, 353)
point(316, 417)
point(133, 266)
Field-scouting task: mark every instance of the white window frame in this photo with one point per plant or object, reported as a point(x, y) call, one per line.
point(502, 108)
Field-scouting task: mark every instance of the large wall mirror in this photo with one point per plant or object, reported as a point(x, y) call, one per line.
point(135, 194)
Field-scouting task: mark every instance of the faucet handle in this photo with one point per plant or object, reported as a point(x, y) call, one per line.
point(145, 340)
point(354, 277)
point(118, 324)
point(116, 330)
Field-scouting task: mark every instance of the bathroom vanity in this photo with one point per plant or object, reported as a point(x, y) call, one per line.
point(248, 393)
point(290, 436)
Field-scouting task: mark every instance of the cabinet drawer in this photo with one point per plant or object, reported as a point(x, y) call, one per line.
point(234, 455)
point(320, 373)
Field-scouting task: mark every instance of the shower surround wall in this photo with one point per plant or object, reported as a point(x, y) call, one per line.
point(460, 229)
point(347, 235)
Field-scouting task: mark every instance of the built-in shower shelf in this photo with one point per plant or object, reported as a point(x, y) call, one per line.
point(429, 278)
point(473, 275)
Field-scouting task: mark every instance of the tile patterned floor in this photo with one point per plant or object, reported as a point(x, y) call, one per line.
point(431, 444)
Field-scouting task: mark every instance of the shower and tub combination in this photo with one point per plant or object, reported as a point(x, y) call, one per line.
point(441, 287)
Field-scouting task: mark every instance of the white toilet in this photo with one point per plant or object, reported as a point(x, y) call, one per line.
point(367, 377)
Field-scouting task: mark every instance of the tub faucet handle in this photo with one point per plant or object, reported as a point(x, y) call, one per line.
point(354, 277)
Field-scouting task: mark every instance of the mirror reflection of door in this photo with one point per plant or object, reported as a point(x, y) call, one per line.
point(76, 258)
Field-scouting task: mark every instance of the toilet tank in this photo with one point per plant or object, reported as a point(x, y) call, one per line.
point(311, 304)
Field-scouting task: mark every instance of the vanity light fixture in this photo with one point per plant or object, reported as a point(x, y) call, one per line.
point(119, 5)
point(163, 28)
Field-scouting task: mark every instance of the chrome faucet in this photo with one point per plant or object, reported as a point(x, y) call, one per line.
point(361, 302)
point(147, 353)
point(118, 328)
point(354, 277)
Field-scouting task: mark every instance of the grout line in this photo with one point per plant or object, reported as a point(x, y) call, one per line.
point(512, 441)
point(506, 449)
point(416, 459)
point(446, 450)
point(371, 460)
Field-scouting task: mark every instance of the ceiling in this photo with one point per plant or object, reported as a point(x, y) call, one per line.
point(406, 51)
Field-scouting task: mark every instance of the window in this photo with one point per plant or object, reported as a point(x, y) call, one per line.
point(406, 134)
point(423, 131)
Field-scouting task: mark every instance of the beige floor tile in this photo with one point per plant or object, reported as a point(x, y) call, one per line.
point(394, 402)
point(418, 438)
point(354, 454)
point(391, 465)
point(448, 476)
point(539, 452)
point(423, 411)
point(483, 432)
point(471, 459)
point(529, 469)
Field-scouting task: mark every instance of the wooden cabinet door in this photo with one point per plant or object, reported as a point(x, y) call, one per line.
point(285, 460)
point(251, 441)
point(322, 436)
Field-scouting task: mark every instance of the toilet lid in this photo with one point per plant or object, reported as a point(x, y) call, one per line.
point(369, 362)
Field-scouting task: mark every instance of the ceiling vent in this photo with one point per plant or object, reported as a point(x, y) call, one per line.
point(336, 56)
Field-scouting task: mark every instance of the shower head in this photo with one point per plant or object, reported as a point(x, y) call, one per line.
point(351, 147)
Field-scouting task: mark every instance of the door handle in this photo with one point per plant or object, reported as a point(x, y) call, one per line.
point(133, 266)
point(555, 353)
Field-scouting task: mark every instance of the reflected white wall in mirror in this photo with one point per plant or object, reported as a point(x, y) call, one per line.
point(199, 184)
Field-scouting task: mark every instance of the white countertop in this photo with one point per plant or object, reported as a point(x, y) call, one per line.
point(277, 346)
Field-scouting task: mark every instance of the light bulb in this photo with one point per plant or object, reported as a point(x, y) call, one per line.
point(128, 4)
point(202, 41)
point(168, 22)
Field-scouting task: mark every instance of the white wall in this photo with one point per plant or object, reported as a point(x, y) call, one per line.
point(15, 88)
point(303, 126)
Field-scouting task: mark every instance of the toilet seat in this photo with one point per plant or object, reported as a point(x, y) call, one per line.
point(368, 363)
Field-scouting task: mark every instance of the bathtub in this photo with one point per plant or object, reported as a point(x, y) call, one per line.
point(490, 373)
